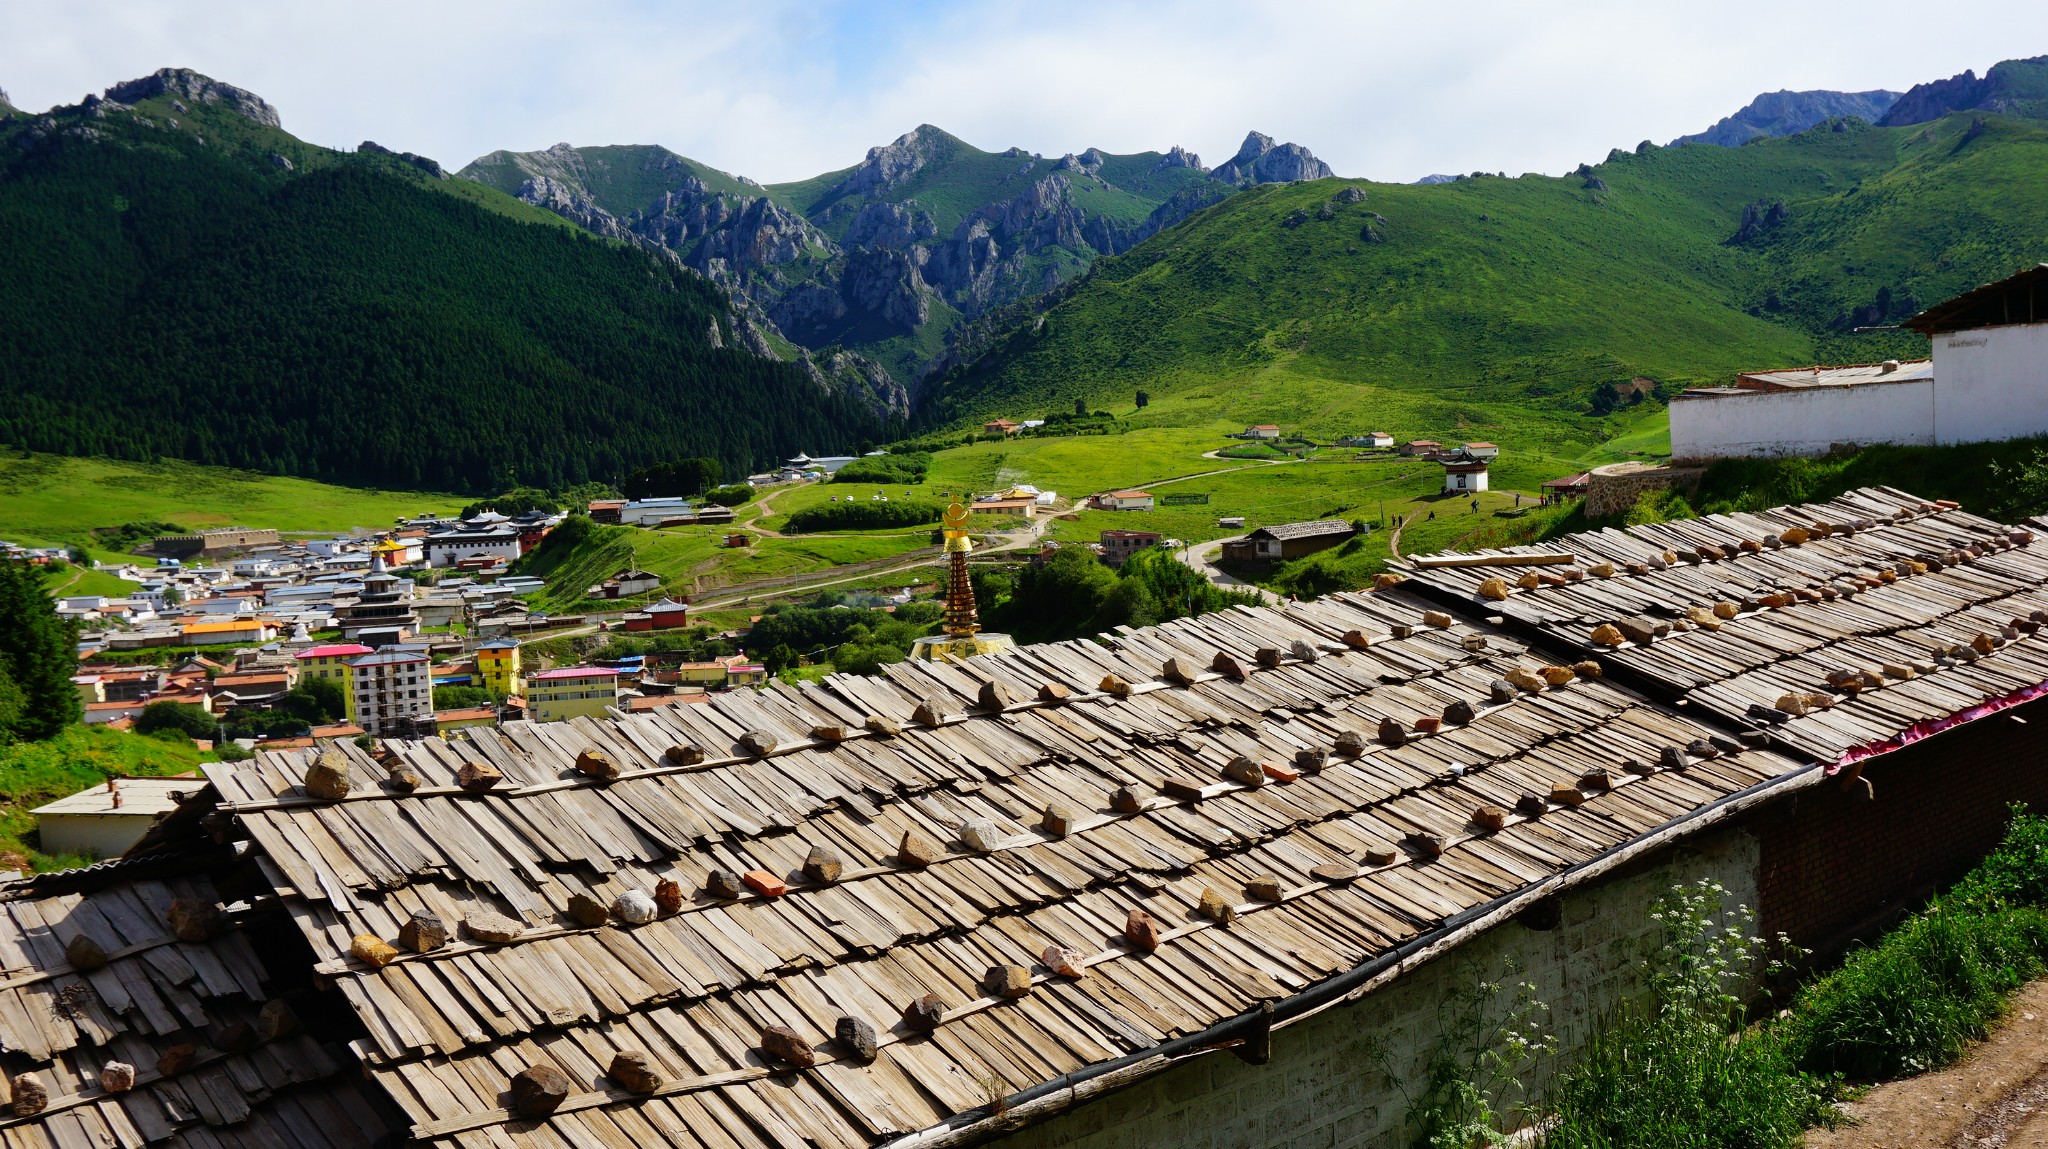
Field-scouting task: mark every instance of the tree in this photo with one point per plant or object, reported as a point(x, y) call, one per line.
point(1144, 397)
point(38, 656)
point(180, 717)
point(1080, 406)
point(316, 700)
point(457, 697)
point(682, 477)
point(780, 658)
point(1063, 598)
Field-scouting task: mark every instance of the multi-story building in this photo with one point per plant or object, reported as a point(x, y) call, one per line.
point(1119, 546)
point(385, 606)
point(331, 662)
point(497, 665)
point(570, 692)
point(392, 693)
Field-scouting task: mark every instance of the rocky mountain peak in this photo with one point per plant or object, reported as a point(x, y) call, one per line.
point(890, 164)
point(1260, 161)
point(192, 86)
point(1786, 113)
point(2010, 86)
point(1179, 157)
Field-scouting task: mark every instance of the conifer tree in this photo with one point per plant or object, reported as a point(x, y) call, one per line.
point(38, 656)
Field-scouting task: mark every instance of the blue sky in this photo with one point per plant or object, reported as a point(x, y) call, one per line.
point(779, 90)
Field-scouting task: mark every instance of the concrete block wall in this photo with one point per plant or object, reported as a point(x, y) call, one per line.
point(1327, 1086)
point(1611, 490)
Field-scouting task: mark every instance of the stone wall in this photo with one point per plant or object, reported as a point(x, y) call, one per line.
point(1611, 490)
point(1328, 1084)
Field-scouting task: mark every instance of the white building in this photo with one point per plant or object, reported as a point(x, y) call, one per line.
point(1464, 472)
point(650, 512)
point(1987, 381)
point(394, 691)
point(104, 821)
point(451, 547)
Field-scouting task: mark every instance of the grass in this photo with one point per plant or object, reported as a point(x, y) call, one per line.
point(694, 561)
point(35, 773)
point(53, 499)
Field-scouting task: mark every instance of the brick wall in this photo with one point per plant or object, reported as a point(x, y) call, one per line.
point(1328, 1085)
point(1836, 864)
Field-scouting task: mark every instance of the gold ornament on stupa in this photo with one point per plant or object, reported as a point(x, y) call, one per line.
point(962, 625)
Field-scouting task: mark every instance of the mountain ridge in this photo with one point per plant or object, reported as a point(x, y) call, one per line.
point(1783, 113)
point(881, 263)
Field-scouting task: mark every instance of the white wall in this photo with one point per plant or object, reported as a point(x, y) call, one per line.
point(1773, 424)
point(1990, 384)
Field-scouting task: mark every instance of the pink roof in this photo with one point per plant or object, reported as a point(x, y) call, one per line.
point(1128, 495)
point(334, 650)
point(575, 672)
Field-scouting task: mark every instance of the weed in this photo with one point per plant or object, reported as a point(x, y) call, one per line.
point(1475, 1083)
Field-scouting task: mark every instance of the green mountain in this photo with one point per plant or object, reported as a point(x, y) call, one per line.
point(183, 278)
point(2014, 87)
point(888, 264)
point(1784, 113)
point(1475, 307)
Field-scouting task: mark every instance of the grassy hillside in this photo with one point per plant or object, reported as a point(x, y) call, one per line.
point(51, 499)
point(1492, 303)
point(197, 284)
point(33, 773)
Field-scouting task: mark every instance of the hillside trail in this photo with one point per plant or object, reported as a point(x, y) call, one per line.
point(1997, 1095)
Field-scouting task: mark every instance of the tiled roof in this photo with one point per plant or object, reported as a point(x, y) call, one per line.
point(1310, 530)
point(572, 672)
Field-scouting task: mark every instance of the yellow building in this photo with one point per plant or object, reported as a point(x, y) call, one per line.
point(497, 667)
point(571, 692)
point(331, 662)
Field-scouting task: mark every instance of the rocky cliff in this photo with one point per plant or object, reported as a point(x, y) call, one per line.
point(186, 84)
point(2013, 87)
point(875, 266)
point(1785, 113)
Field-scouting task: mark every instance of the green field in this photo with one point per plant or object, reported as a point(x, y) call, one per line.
point(47, 500)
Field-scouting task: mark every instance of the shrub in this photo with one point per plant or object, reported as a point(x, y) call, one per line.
point(882, 470)
point(179, 717)
point(869, 514)
point(729, 496)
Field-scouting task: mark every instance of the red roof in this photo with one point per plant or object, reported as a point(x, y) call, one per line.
point(337, 730)
point(574, 672)
point(466, 714)
point(335, 650)
point(1128, 495)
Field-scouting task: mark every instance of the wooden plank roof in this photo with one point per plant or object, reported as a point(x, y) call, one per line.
point(1360, 813)
point(1938, 607)
point(252, 1078)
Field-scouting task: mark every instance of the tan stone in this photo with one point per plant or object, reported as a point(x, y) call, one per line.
point(492, 927)
point(1125, 801)
point(1175, 671)
point(917, 850)
point(1562, 795)
point(84, 953)
point(1386, 581)
point(31, 1096)
point(1725, 610)
point(1794, 536)
point(1009, 981)
point(1216, 907)
point(117, 1077)
point(1522, 678)
point(1601, 570)
point(668, 896)
point(1587, 668)
point(327, 777)
point(995, 696)
point(1227, 666)
point(1055, 693)
point(1064, 961)
point(1379, 855)
point(684, 754)
point(477, 777)
point(1489, 818)
point(1265, 888)
point(1335, 873)
point(828, 732)
point(587, 911)
point(757, 743)
point(1557, 675)
point(882, 725)
point(400, 776)
point(1435, 618)
point(823, 865)
point(595, 764)
point(1057, 820)
point(1244, 772)
point(1529, 581)
point(1494, 589)
point(1606, 634)
point(925, 1014)
point(1113, 685)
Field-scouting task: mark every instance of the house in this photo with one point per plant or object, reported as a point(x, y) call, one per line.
point(497, 665)
point(335, 730)
point(233, 690)
point(1487, 451)
point(628, 583)
point(1569, 487)
point(104, 821)
point(1121, 501)
point(330, 661)
point(1260, 431)
point(714, 515)
point(571, 692)
point(1289, 540)
point(1425, 448)
point(606, 510)
point(101, 713)
point(227, 631)
point(398, 552)
point(383, 608)
point(649, 512)
point(1231, 522)
point(1000, 427)
point(740, 540)
point(1983, 383)
point(1378, 440)
point(91, 688)
point(437, 611)
point(688, 696)
point(668, 614)
point(486, 536)
point(1118, 546)
point(392, 693)
point(1307, 1014)
point(745, 674)
point(701, 673)
point(1009, 508)
point(446, 720)
point(1464, 473)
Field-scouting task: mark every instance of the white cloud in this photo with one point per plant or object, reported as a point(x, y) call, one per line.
point(779, 90)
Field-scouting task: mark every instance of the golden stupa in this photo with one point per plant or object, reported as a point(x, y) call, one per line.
point(961, 635)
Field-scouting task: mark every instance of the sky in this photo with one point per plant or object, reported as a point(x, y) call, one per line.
point(777, 90)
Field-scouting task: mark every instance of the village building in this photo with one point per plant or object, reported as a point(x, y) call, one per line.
point(1422, 448)
point(1000, 427)
point(1016, 508)
point(1464, 472)
point(1118, 546)
point(334, 730)
point(628, 583)
point(107, 819)
point(497, 667)
point(1480, 450)
point(668, 614)
point(383, 610)
point(1121, 501)
point(487, 536)
point(1568, 487)
point(572, 692)
point(1289, 540)
point(226, 631)
point(1260, 431)
point(446, 720)
point(651, 512)
point(606, 510)
point(392, 692)
point(217, 541)
point(1984, 383)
